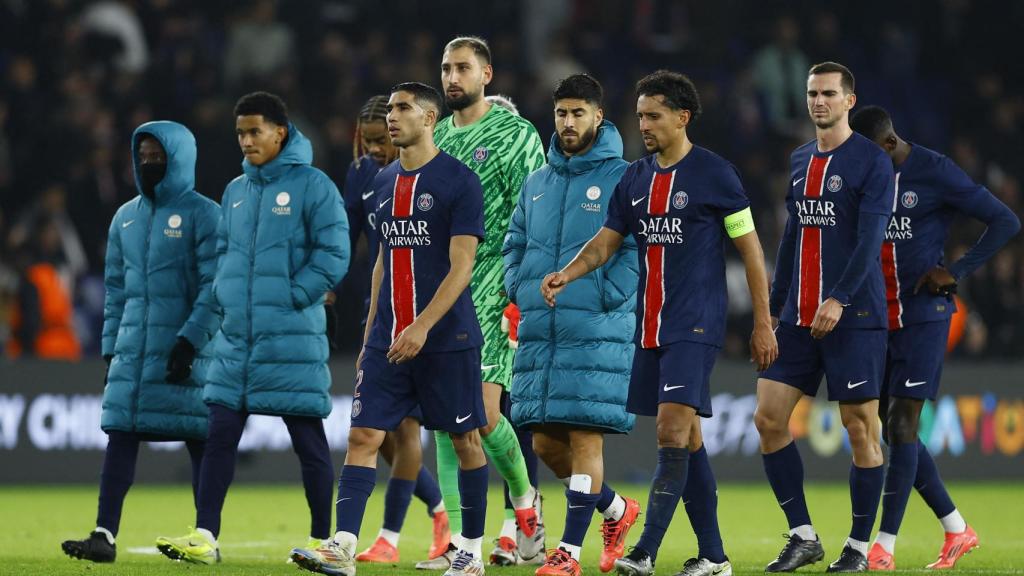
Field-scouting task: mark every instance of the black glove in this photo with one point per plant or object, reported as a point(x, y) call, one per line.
point(332, 325)
point(106, 371)
point(179, 364)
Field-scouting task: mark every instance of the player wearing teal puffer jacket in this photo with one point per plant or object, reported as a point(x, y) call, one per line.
point(160, 263)
point(570, 377)
point(282, 245)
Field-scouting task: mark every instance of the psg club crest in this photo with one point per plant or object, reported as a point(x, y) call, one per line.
point(835, 183)
point(357, 407)
point(909, 199)
point(593, 193)
point(481, 153)
point(425, 202)
point(174, 221)
point(680, 200)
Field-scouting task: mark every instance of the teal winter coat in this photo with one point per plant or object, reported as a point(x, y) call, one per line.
point(160, 263)
point(283, 244)
point(573, 361)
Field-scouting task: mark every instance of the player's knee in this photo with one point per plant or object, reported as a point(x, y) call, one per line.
point(672, 434)
point(860, 432)
point(902, 426)
point(466, 443)
point(545, 449)
point(769, 424)
point(364, 440)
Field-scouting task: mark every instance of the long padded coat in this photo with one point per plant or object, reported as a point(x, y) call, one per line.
point(160, 263)
point(573, 361)
point(283, 244)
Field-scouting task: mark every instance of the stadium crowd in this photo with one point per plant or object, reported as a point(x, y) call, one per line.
point(77, 77)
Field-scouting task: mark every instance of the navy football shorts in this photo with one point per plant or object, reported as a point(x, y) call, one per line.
point(679, 372)
point(445, 386)
point(852, 361)
point(914, 365)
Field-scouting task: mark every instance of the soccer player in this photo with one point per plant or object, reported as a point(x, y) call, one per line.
point(161, 259)
point(502, 149)
point(679, 203)
point(422, 340)
point(569, 385)
point(282, 245)
point(401, 449)
point(828, 288)
point(930, 191)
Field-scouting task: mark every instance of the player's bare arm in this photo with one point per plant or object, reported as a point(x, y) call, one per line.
point(462, 253)
point(764, 348)
point(594, 254)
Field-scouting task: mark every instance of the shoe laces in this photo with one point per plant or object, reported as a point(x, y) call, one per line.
point(462, 560)
point(791, 541)
point(557, 557)
point(691, 563)
point(610, 531)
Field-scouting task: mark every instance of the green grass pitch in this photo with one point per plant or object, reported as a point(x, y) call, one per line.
point(262, 523)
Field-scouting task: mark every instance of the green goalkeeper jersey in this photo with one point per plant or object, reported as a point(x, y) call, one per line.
point(502, 149)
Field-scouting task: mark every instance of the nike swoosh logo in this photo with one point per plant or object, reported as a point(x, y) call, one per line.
point(855, 515)
point(237, 204)
point(340, 500)
point(851, 385)
point(665, 493)
point(910, 384)
point(787, 501)
point(718, 571)
point(887, 493)
point(488, 366)
point(575, 507)
point(383, 203)
point(798, 180)
point(639, 200)
point(368, 194)
point(465, 507)
point(668, 388)
point(537, 197)
point(127, 224)
point(461, 419)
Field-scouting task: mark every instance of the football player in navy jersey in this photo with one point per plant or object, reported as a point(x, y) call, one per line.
point(829, 298)
point(930, 191)
point(401, 449)
point(679, 203)
point(422, 340)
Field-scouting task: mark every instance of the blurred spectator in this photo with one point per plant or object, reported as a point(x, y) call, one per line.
point(43, 321)
point(258, 45)
point(780, 74)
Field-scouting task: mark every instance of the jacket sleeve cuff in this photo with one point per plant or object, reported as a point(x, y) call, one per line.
point(300, 299)
point(107, 347)
point(841, 297)
point(196, 336)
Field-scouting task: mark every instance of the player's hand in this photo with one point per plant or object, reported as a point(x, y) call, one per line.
point(938, 281)
point(825, 319)
point(510, 324)
point(179, 362)
point(764, 348)
point(551, 285)
point(408, 344)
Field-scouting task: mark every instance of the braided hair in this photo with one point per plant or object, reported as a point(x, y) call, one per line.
point(375, 110)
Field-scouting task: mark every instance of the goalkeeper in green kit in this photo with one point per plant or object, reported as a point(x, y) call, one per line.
point(502, 148)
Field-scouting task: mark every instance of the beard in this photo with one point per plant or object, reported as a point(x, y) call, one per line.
point(462, 102)
point(582, 141)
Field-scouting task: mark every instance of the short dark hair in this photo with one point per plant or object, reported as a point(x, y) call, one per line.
point(872, 122)
point(423, 93)
point(265, 104)
point(677, 89)
point(834, 67)
point(476, 43)
point(581, 86)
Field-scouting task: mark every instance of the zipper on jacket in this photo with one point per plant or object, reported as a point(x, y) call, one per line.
point(554, 311)
point(252, 266)
point(145, 314)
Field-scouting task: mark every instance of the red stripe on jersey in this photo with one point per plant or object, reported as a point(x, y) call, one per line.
point(405, 190)
point(892, 286)
point(654, 259)
point(654, 296)
point(661, 193)
point(403, 278)
point(809, 285)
